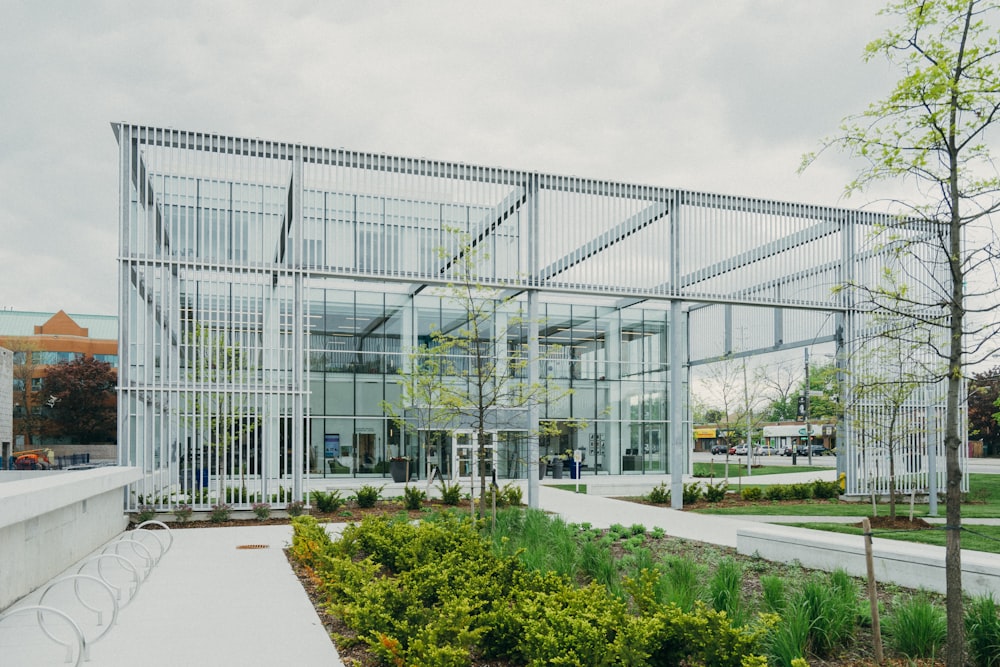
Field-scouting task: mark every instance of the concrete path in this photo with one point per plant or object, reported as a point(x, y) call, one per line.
point(207, 603)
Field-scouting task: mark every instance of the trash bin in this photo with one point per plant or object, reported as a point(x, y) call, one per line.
point(574, 469)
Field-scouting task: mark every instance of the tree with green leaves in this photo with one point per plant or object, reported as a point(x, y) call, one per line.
point(26, 371)
point(887, 381)
point(930, 132)
point(219, 411)
point(472, 372)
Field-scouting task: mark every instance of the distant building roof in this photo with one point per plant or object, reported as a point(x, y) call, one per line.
point(23, 323)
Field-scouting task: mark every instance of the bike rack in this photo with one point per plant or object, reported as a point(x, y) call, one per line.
point(76, 579)
point(81, 640)
point(136, 579)
point(139, 567)
point(137, 535)
point(165, 527)
point(136, 546)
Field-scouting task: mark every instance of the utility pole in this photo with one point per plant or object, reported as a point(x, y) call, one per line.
point(809, 449)
point(746, 403)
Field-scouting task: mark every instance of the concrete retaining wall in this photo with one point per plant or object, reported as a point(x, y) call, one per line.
point(48, 522)
point(904, 563)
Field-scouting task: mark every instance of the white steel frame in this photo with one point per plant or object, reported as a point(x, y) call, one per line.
point(221, 236)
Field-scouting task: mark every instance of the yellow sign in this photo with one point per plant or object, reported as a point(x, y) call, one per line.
point(703, 433)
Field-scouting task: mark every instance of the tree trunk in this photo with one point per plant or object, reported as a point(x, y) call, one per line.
point(955, 649)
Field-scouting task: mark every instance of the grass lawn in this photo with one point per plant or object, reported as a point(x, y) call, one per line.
point(703, 470)
point(978, 538)
point(984, 502)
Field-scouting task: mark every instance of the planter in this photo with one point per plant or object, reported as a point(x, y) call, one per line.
point(574, 469)
point(557, 468)
point(541, 469)
point(398, 470)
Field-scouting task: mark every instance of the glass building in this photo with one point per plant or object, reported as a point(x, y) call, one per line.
point(273, 295)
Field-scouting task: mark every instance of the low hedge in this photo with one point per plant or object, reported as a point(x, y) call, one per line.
point(435, 593)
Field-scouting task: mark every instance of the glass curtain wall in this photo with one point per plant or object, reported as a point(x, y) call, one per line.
point(359, 341)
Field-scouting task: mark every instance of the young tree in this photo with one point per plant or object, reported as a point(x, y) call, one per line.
point(931, 131)
point(220, 413)
point(780, 382)
point(26, 366)
point(885, 386)
point(81, 396)
point(421, 406)
point(739, 395)
point(472, 373)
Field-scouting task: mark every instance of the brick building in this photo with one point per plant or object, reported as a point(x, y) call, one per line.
point(39, 340)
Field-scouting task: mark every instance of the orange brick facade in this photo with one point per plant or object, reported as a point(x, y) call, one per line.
point(54, 339)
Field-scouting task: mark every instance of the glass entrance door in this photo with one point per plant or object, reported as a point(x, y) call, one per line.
point(465, 465)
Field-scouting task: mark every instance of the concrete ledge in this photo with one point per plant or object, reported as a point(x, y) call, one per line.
point(49, 522)
point(905, 563)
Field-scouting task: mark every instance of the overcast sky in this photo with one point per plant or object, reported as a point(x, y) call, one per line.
point(723, 96)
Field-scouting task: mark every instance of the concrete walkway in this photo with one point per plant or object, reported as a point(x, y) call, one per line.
point(205, 603)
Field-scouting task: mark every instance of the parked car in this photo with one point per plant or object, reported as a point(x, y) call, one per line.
point(740, 450)
point(719, 449)
point(765, 450)
point(732, 450)
point(817, 450)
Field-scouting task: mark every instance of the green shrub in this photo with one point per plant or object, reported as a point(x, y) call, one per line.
point(183, 513)
point(659, 495)
point(917, 627)
point(368, 495)
point(691, 493)
point(451, 494)
point(295, 508)
point(327, 502)
point(511, 495)
point(776, 492)
point(823, 490)
point(982, 631)
point(716, 492)
point(220, 513)
point(309, 540)
point(262, 510)
point(572, 626)
point(413, 497)
point(800, 491)
point(145, 513)
point(707, 637)
point(751, 493)
point(439, 593)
